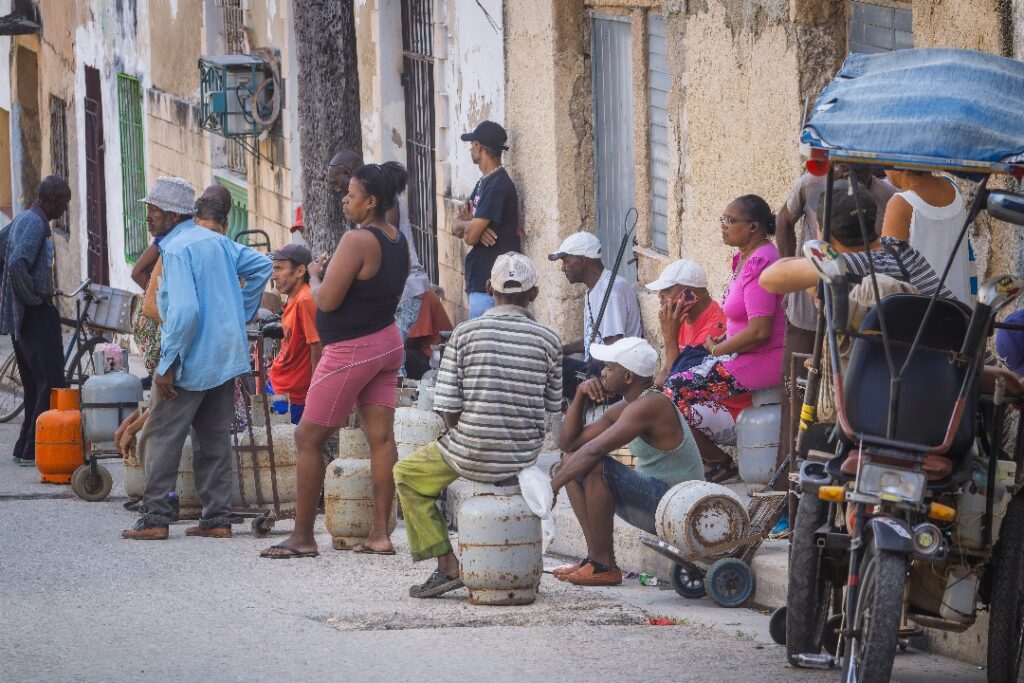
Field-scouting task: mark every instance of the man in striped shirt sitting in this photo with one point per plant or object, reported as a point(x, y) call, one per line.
point(500, 376)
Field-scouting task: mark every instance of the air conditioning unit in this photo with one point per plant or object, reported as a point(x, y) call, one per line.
point(240, 95)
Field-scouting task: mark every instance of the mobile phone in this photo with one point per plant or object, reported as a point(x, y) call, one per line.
point(688, 295)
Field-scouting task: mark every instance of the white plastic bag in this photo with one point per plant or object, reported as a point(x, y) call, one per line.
point(536, 489)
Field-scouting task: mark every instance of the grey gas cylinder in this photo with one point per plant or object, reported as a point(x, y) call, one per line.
point(106, 401)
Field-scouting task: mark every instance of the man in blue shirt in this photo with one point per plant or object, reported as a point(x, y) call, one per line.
point(27, 312)
point(203, 348)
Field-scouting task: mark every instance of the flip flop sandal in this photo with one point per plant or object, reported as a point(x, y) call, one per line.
point(719, 473)
point(364, 549)
point(293, 553)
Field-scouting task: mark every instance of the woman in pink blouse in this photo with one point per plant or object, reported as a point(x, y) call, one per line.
point(712, 393)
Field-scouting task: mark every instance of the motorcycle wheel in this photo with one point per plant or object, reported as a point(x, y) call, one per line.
point(807, 601)
point(1006, 621)
point(868, 656)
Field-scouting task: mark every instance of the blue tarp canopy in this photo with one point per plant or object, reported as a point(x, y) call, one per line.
point(922, 106)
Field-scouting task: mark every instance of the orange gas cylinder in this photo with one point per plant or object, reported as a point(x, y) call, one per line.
point(59, 448)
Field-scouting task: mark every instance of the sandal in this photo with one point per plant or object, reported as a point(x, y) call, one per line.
point(293, 553)
point(721, 472)
point(363, 548)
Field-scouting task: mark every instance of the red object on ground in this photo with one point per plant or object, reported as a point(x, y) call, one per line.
point(660, 621)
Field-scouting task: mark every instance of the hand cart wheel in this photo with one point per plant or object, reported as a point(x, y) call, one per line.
point(688, 580)
point(777, 626)
point(730, 582)
point(92, 486)
point(262, 526)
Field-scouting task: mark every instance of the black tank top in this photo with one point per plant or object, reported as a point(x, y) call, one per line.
point(369, 306)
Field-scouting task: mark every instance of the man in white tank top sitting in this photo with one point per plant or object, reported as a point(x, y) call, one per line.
point(599, 486)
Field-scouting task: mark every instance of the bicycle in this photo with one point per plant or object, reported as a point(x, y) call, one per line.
point(78, 356)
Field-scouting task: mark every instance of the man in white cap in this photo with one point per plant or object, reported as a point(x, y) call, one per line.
point(599, 486)
point(688, 314)
point(202, 349)
point(580, 254)
point(500, 377)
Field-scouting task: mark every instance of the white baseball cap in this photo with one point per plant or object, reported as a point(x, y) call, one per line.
point(512, 267)
point(578, 244)
point(682, 272)
point(632, 353)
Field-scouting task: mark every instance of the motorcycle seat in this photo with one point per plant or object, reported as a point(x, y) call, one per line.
point(931, 384)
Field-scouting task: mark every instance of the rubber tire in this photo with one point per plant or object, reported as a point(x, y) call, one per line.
point(883, 575)
point(777, 625)
point(10, 367)
point(84, 354)
point(1007, 606)
point(803, 609)
point(730, 582)
point(92, 488)
point(683, 581)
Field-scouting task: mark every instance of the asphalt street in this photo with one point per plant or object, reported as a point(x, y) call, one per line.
point(78, 603)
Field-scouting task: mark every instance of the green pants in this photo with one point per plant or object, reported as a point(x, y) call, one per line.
point(420, 479)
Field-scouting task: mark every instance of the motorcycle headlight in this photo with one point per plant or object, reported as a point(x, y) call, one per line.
point(891, 484)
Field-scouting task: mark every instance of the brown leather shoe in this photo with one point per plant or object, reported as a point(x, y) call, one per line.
point(145, 533)
point(212, 532)
point(561, 572)
point(586, 576)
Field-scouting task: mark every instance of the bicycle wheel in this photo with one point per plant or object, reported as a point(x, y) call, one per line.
point(82, 366)
point(12, 393)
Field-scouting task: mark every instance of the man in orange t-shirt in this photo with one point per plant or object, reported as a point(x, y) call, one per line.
point(689, 317)
point(292, 369)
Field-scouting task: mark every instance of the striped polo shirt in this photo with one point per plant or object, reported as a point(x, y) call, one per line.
point(898, 260)
point(502, 372)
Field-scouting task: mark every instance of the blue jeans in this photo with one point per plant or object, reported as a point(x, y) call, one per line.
point(479, 302)
point(636, 495)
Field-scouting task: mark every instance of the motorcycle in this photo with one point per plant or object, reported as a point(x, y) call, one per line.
point(910, 513)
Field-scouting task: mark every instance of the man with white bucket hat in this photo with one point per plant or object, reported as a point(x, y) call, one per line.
point(580, 254)
point(202, 349)
point(598, 485)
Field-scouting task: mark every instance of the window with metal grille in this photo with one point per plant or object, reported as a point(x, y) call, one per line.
point(59, 148)
point(133, 165)
point(881, 26)
point(235, 156)
point(659, 84)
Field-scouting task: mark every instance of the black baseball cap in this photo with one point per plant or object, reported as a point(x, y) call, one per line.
point(296, 253)
point(845, 216)
point(489, 134)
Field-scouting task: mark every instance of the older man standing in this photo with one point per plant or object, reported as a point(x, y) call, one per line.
point(203, 348)
point(26, 310)
point(580, 254)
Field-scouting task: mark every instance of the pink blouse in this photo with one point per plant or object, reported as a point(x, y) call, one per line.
point(761, 367)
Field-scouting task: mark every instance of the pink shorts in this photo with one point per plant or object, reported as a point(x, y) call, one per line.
point(361, 371)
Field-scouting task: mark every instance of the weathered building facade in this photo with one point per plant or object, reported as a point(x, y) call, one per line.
point(671, 107)
point(107, 95)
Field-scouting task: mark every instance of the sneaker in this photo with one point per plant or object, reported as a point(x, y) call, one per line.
point(209, 532)
point(439, 583)
point(781, 527)
point(145, 532)
point(586, 576)
point(565, 570)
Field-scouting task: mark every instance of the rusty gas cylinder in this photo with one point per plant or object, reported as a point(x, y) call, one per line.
point(499, 546)
point(59, 447)
point(697, 516)
point(348, 502)
point(414, 429)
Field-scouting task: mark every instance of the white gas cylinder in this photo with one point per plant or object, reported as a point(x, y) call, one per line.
point(348, 502)
point(697, 515)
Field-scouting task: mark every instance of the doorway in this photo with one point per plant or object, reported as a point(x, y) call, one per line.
point(418, 82)
point(614, 177)
point(98, 267)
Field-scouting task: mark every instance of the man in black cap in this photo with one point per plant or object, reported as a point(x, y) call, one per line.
point(300, 351)
point(489, 220)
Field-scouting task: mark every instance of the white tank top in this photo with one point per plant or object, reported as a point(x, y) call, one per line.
point(933, 232)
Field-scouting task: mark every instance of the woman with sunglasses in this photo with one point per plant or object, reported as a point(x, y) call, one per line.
point(712, 393)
